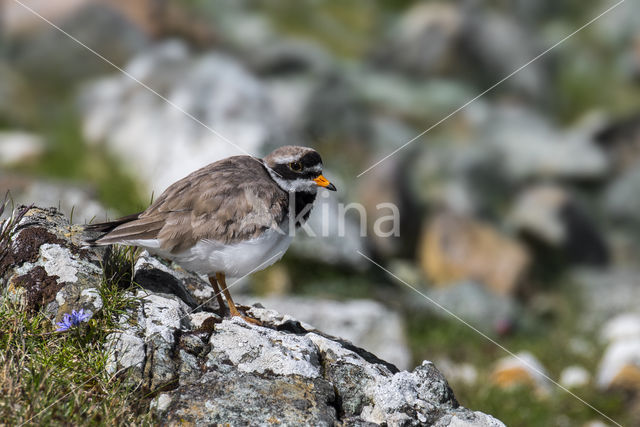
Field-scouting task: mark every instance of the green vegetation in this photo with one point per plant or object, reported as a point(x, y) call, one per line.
point(49, 377)
point(434, 338)
point(70, 157)
point(521, 407)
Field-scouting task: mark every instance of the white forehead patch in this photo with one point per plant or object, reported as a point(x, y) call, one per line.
point(287, 159)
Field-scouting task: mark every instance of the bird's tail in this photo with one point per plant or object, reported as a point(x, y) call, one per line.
point(104, 228)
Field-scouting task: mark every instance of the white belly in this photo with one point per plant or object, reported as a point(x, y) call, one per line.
point(234, 260)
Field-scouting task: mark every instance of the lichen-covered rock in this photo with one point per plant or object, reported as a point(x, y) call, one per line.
point(152, 274)
point(47, 266)
point(237, 398)
point(206, 370)
point(465, 418)
point(282, 373)
point(146, 342)
point(366, 323)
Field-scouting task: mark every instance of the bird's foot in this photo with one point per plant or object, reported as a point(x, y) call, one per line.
point(247, 319)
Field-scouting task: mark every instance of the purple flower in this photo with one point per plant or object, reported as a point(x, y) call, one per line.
point(72, 320)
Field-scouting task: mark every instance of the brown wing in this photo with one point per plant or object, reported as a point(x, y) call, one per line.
point(227, 201)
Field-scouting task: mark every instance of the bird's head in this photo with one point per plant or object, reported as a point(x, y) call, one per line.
point(297, 169)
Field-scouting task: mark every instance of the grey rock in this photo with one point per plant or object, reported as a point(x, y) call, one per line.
point(145, 348)
point(620, 365)
point(336, 114)
point(243, 30)
point(543, 150)
point(574, 376)
point(623, 21)
point(252, 36)
point(323, 107)
point(621, 327)
point(154, 275)
point(422, 395)
point(17, 147)
point(127, 353)
point(261, 351)
point(511, 146)
point(607, 293)
point(292, 375)
point(423, 41)
point(620, 138)
point(620, 198)
point(463, 177)
point(498, 46)
point(243, 398)
point(537, 210)
point(47, 267)
point(157, 141)
point(468, 419)
point(164, 316)
point(365, 323)
point(203, 319)
point(290, 56)
point(423, 102)
point(388, 129)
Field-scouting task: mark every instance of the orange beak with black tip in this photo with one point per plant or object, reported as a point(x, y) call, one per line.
point(324, 182)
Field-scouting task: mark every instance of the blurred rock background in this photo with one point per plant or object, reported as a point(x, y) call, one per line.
point(520, 213)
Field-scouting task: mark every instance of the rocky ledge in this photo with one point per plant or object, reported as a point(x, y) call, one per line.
point(203, 369)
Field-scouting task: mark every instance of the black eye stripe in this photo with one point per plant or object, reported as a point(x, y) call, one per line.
point(287, 174)
point(284, 172)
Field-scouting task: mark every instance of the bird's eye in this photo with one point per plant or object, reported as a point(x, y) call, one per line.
point(295, 166)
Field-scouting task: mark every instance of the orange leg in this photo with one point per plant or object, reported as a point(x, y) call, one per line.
point(218, 293)
point(232, 307)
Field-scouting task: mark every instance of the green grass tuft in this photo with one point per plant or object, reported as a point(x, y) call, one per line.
point(48, 377)
point(53, 378)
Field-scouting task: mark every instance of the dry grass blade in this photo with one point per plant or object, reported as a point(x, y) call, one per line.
point(7, 227)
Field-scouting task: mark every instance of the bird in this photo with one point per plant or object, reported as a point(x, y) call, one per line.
point(228, 219)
